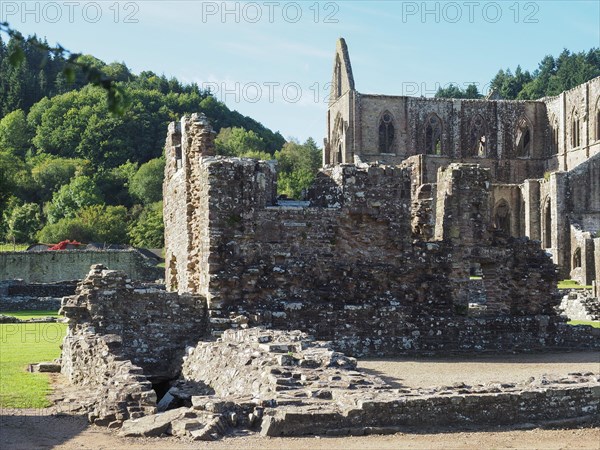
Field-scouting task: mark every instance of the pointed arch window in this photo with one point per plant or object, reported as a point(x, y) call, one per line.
point(338, 77)
point(575, 130)
point(524, 138)
point(433, 135)
point(386, 133)
point(478, 137)
point(555, 136)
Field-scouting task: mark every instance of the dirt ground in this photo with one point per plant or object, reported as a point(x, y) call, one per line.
point(29, 429)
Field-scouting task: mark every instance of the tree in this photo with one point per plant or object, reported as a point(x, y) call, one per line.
point(238, 141)
point(50, 173)
point(148, 230)
point(298, 165)
point(453, 91)
point(24, 222)
point(96, 223)
point(146, 184)
point(107, 224)
point(79, 193)
point(15, 134)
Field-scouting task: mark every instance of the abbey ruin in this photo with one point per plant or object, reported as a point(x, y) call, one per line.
point(421, 236)
point(542, 156)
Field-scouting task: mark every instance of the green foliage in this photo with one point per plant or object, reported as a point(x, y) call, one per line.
point(553, 76)
point(79, 193)
point(15, 135)
point(453, 91)
point(238, 141)
point(148, 229)
point(24, 344)
point(24, 222)
point(96, 223)
point(146, 184)
point(50, 173)
point(297, 166)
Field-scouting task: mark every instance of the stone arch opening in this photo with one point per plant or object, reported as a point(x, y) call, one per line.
point(575, 129)
point(478, 138)
point(547, 226)
point(577, 258)
point(502, 216)
point(524, 138)
point(337, 140)
point(433, 135)
point(386, 132)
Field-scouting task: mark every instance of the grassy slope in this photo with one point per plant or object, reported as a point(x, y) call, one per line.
point(20, 345)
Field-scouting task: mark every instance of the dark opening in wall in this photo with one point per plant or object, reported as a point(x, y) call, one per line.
point(547, 235)
point(433, 135)
point(577, 258)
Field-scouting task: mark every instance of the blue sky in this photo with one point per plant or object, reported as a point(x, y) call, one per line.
point(272, 60)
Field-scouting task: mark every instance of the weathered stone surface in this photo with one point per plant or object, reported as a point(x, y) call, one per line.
point(579, 304)
point(541, 402)
point(155, 424)
point(54, 266)
point(249, 364)
point(153, 326)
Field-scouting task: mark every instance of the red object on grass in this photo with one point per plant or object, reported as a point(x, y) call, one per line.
point(64, 245)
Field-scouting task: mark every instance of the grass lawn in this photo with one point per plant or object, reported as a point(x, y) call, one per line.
point(594, 323)
point(24, 315)
point(572, 284)
point(20, 345)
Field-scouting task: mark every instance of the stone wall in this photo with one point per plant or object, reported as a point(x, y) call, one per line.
point(153, 326)
point(580, 304)
point(349, 269)
point(16, 295)
point(560, 402)
point(117, 388)
point(66, 265)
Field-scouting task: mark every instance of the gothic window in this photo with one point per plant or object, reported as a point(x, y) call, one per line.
point(386, 133)
point(523, 139)
point(338, 78)
point(555, 136)
point(575, 129)
point(478, 137)
point(433, 135)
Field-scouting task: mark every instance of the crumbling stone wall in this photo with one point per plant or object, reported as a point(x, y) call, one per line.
point(349, 269)
point(153, 326)
point(119, 389)
point(580, 304)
